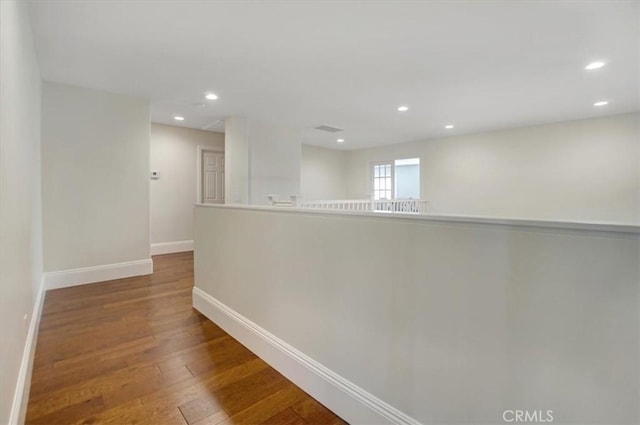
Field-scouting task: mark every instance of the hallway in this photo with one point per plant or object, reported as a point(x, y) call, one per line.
point(134, 351)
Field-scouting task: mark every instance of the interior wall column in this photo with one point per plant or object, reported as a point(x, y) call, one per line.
point(260, 160)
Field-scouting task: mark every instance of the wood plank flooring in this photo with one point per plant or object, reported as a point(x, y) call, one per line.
point(133, 351)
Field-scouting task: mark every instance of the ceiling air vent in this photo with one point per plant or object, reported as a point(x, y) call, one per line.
point(217, 125)
point(328, 128)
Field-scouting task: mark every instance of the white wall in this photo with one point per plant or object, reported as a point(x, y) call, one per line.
point(20, 205)
point(449, 322)
point(586, 170)
point(173, 152)
point(95, 177)
point(236, 160)
point(275, 162)
point(323, 173)
point(260, 160)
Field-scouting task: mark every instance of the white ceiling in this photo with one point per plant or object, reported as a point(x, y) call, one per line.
point(479, 65)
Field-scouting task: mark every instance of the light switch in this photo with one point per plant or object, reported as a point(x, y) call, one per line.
point(155, 175)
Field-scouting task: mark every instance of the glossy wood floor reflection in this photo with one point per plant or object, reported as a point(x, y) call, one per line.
point(133, 351)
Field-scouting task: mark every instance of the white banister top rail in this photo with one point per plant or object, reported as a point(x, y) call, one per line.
point(275, 202)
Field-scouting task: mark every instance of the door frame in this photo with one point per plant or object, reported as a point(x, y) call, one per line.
point(200, 150)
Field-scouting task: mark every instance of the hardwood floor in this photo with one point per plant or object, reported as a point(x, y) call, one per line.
point(133, 351)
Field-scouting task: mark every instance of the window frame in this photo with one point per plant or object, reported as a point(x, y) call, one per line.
point(391, 177)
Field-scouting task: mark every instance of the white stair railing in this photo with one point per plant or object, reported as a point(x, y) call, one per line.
point(404, 206)
point(343, 204)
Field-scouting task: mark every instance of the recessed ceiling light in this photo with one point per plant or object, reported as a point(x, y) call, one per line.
point(178, 118)
point(601, 103)
point(340, 140)
point(594, 65)
point(448, 126)
point(403, 108)
point(211, 96)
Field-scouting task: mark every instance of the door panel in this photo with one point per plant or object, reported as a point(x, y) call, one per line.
point(212, 177)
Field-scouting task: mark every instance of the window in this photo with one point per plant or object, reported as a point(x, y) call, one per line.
point(407, 178)
point(399, 179)
point(382, 180)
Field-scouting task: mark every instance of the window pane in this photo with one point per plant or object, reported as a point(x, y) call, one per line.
point(376, 171)
point(407, 178)
point(376, 184)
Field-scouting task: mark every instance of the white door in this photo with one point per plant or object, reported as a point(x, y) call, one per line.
point(212, 177)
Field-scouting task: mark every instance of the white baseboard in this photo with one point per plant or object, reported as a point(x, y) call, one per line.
point(171, 247)
point(73, 277)
point(343, 397)
point(23, 384)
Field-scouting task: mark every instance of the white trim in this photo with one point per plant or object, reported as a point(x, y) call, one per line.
point(73, 277)
point(199, 150)
point(346, 399)
point(171, 247)
point(23, 384)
